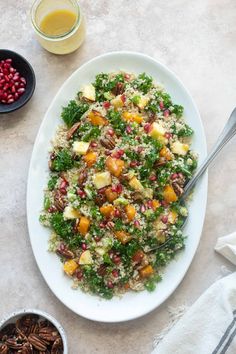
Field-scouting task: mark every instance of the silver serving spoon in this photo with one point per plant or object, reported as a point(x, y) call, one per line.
point(228, 132)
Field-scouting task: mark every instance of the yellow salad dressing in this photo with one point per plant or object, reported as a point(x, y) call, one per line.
point(58, 22)
point(59, 30)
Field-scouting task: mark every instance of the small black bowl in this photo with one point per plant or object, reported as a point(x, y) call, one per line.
point(25, 70)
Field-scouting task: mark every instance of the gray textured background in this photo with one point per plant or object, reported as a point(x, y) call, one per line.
point(196, 39)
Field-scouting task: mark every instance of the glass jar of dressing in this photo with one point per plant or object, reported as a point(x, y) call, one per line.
point(59, 25)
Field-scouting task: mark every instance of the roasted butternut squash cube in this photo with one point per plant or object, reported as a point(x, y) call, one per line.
point(83, 226)
point(155, 204)
point(130, 212)
point(146, 272)
point(96, 118)
point(115, 166)
point(107, 210)
point(166, 153)
point(70, 267)
point(90, 158)
point(123, 237)
point(169, 194)
point(110, 195)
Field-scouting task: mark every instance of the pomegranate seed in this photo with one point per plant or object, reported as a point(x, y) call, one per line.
point(152, 178)
point(102, 225)
point(136, 223)
point(119, 188)
point(164, 219)
point(117, 213)
point(107, 152)
point(149, 203)
point(81, 193)
point(63, 191)
point(16, 96)
point(21, 91)
point(106, 104)
point(128, 129)
point(123, 98)
point(17, 84)
point(5, 87)
point(142, 208)
point(110, 285)
point(16, 77)
point(161, 104)
point(121, 152)
point(168, 135)
point(166, 113)
point(174, 176)
point(115, 273)
point(6, 78)
point(22, 79)
point(102, 190)
point(84, 246)
point(147, 127)
point(12, 70)
point(111, 132)
point(133, 163)
point(2, 82)
point(113, 188)
point(93, 144)
point(140, 149)
point(127, 76)
point(13, 89)
point(11, 100)
point(79, 274)
point(3, 101)
point(116, 259)
point(9, 97)
point(164, 203)
point(97, 238)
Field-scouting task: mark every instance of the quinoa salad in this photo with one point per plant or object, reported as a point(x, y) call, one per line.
point(118, 164)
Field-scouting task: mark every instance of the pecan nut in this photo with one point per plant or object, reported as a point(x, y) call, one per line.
point(118, 89)
point(72, 130)
point(49, 334)
point(57, 347)
point(27, 349)
point(3, 349)
point(59, 201)
point(63, 251)
point(37, 342)
point(82, 177)
point(108, 142)
point(9, 329)
point(13, 343)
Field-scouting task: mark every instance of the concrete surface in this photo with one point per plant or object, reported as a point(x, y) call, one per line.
point(196, 39)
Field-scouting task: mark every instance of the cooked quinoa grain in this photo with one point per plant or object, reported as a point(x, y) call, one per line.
point(118, 166)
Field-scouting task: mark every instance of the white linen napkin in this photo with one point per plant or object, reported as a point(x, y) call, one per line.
point(209, 326)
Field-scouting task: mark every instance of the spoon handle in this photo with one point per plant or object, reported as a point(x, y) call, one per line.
point(228, 132)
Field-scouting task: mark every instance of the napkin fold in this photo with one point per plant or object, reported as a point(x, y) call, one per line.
point(209, 326)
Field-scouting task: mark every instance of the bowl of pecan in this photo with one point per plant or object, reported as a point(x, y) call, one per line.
point(32, 331)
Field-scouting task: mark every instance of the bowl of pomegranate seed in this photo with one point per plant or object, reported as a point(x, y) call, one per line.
point(17, 81)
